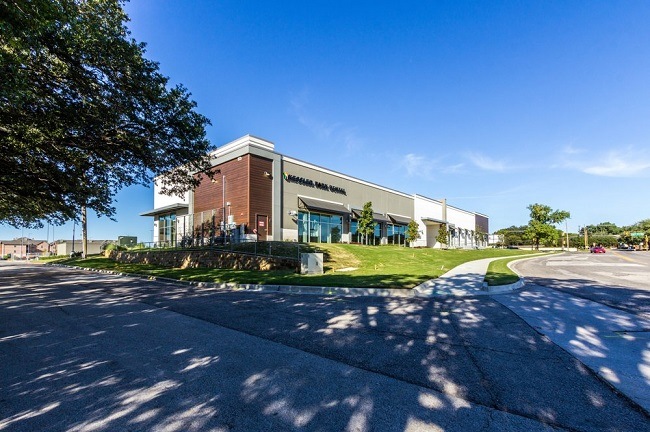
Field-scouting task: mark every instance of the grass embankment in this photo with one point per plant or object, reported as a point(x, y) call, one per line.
point(345, 266)
point(499, 273)
point(51, 258)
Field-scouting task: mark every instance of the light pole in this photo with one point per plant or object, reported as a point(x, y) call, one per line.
point(74, 225)
point(566, 231)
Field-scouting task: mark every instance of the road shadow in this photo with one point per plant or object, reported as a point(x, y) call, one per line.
point(137, 362)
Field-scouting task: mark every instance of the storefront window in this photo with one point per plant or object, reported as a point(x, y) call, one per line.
point(167, 230)
point(355, 237)
point(319, 228)
point(396, 234)
point(303, 227)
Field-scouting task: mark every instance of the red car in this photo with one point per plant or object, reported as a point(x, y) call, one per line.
point(597, 249)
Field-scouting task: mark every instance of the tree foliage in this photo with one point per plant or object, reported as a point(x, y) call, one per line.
point(366, 222)
point(83, 113)
point(603, 228)
point(513, 235)
point(540, 228)
point(443, 234)
point(412, 232)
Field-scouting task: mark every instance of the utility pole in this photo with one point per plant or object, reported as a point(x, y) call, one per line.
point(84, 232)
point(586, 242)
point(566, 231)
point(74, 225)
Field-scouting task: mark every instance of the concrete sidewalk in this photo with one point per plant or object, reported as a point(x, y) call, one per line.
point(463, 280)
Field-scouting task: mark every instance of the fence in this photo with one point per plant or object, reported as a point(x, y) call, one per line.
point(290, 250)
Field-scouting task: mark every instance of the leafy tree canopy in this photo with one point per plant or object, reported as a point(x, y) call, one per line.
point(513, 235)
point(83, 113)
point(540, 228)
point(603, 228)
point(366, 222)
point(412, 232)
point(443, 234)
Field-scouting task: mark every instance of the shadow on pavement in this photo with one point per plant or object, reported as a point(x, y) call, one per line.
point(133, 365)
point(631, 300)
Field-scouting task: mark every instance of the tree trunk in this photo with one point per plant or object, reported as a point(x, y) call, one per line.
point(84, 232)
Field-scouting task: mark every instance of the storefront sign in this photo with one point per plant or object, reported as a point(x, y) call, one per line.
point(314, 184)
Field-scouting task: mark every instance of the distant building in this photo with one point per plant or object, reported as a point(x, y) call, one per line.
point(495, 239)
point(127, 241)
point(22, 247)
point(65, 247)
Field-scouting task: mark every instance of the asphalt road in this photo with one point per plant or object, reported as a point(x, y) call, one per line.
point(619, 279)
point(597, 307)
point(84, 351)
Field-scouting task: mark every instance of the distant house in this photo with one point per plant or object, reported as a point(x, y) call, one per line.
point(22, 247)
point(65, 247)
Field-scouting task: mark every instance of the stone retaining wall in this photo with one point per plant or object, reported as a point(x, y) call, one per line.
point(205, 258)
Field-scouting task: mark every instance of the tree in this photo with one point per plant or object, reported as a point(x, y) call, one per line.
point(603, 228)
point(412, 232)
point(540, 227)
point(366, 222)
point(443, 234)
point(83, 113)
point(513, 236)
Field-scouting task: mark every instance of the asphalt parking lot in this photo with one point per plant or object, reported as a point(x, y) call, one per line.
point(95, 352)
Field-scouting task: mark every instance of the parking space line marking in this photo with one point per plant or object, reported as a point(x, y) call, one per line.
point(618, 254)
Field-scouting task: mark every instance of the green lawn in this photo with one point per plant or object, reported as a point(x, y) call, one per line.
point(363, 266)
point(51, 258)
point(498, 273)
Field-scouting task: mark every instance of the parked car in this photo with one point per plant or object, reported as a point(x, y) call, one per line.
point(597, 249)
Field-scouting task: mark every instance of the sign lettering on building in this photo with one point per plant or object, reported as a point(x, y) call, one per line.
point(314, 184)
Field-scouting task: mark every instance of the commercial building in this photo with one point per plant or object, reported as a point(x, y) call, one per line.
point(22, 247)
point(65, 247)
point(258, 193)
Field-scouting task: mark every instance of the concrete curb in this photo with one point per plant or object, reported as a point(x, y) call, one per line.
point(500, 289)
point(314, 290)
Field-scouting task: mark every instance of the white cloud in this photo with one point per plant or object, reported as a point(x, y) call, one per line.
point(571, 150)
point(621, 163)
point(617, 166)
point(486, 163)
point(417, 165)
point(333, 133)
point(454, 169)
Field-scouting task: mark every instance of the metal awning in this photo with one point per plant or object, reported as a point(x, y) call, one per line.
point(326, 206)
point(401, 220)
point(434, 221)
point(377, 217)
point(165, 209)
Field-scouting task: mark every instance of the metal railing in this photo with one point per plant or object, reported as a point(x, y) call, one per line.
point(247, 246)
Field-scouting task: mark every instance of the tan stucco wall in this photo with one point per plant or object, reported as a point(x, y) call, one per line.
point(357, 193)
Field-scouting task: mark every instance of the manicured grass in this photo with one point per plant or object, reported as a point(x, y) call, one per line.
point(365, 266)
point(51, 258)
point(498, 273)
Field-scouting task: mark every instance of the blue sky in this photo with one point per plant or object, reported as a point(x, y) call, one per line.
point(492, 105)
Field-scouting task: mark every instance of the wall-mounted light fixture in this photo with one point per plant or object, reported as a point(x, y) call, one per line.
point(267, 174)
point(293, 213)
